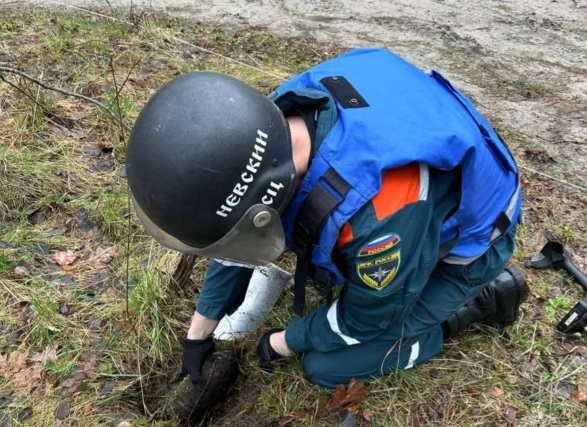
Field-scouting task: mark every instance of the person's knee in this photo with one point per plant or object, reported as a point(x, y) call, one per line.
point(318, 370)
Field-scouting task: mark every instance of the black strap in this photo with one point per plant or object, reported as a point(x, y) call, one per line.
point(446, 247)
point(300, 278)
point(318, 206)
point(502, 223)
point(322, 200)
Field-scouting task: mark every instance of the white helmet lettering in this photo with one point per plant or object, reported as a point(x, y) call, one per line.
point(247, 177)
point(271, 191)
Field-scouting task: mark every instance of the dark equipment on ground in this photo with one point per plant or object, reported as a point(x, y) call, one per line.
point(554, 255)
point(181, 401)
point(190, 405)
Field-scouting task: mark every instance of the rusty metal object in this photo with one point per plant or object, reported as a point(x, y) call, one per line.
point(187, 404)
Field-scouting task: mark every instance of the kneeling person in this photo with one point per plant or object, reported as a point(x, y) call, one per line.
point(384, 180)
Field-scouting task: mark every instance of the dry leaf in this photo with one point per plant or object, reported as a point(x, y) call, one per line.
point(533, 367)
point(12, 362)
point(19, 308)
point(74, 382)
point(121, 46)
point(63, 259)
point(49, 355)
point(15, 367)
point(87, 409)
point(90, 233)
point(368, 414)
point(100, 146)
point(579, 395)
point(495, 391)
point(102, 256)
point(28, 377)
point(110, 292)
point(90, 365)
point(349, 399)
point(24, 371)
point(302, 415)
point(51, 352)
point(283, 421)
point(140, 83)
point(472, 390)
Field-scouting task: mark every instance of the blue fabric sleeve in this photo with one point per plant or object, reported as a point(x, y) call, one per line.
point(223, 290)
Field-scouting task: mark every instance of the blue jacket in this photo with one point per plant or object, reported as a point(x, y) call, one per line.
point(390, 114)
point(415, 117)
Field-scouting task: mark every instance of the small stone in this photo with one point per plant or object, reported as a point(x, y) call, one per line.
point(155, 63)
point(107, 387)
point(94, 325)
point(62, 411)
point(40, 249)
point(350, 420)
point(565, 388)
point(65, 280)
point(34, 216)
point(104, 165)
point(86, 226)
point(65, 309)
point(21, 271)
point(92, 152)
point(5, 398)
point(13, 338)
point(122, 172)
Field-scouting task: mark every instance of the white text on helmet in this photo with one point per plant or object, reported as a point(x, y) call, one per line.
point(271, 191)
point(247, 177)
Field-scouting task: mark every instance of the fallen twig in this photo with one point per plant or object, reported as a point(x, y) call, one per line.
point(67, 93)
point(50, 115)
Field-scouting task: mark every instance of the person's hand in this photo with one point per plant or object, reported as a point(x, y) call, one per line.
point(272, 347)
point(195, 353)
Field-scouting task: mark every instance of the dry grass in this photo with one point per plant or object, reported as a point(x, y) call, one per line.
point(61, 190)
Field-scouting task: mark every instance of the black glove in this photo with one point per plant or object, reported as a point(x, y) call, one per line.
point(265, 352)
point(195, 353)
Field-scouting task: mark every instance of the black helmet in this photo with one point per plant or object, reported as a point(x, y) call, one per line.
point(210, 168)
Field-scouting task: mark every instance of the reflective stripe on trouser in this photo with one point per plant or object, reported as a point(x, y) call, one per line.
point(370, 360)
point(419, 337)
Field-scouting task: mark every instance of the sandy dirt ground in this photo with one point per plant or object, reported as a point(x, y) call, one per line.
point(524, 62)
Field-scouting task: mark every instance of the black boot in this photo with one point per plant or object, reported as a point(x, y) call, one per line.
point(498, 304)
